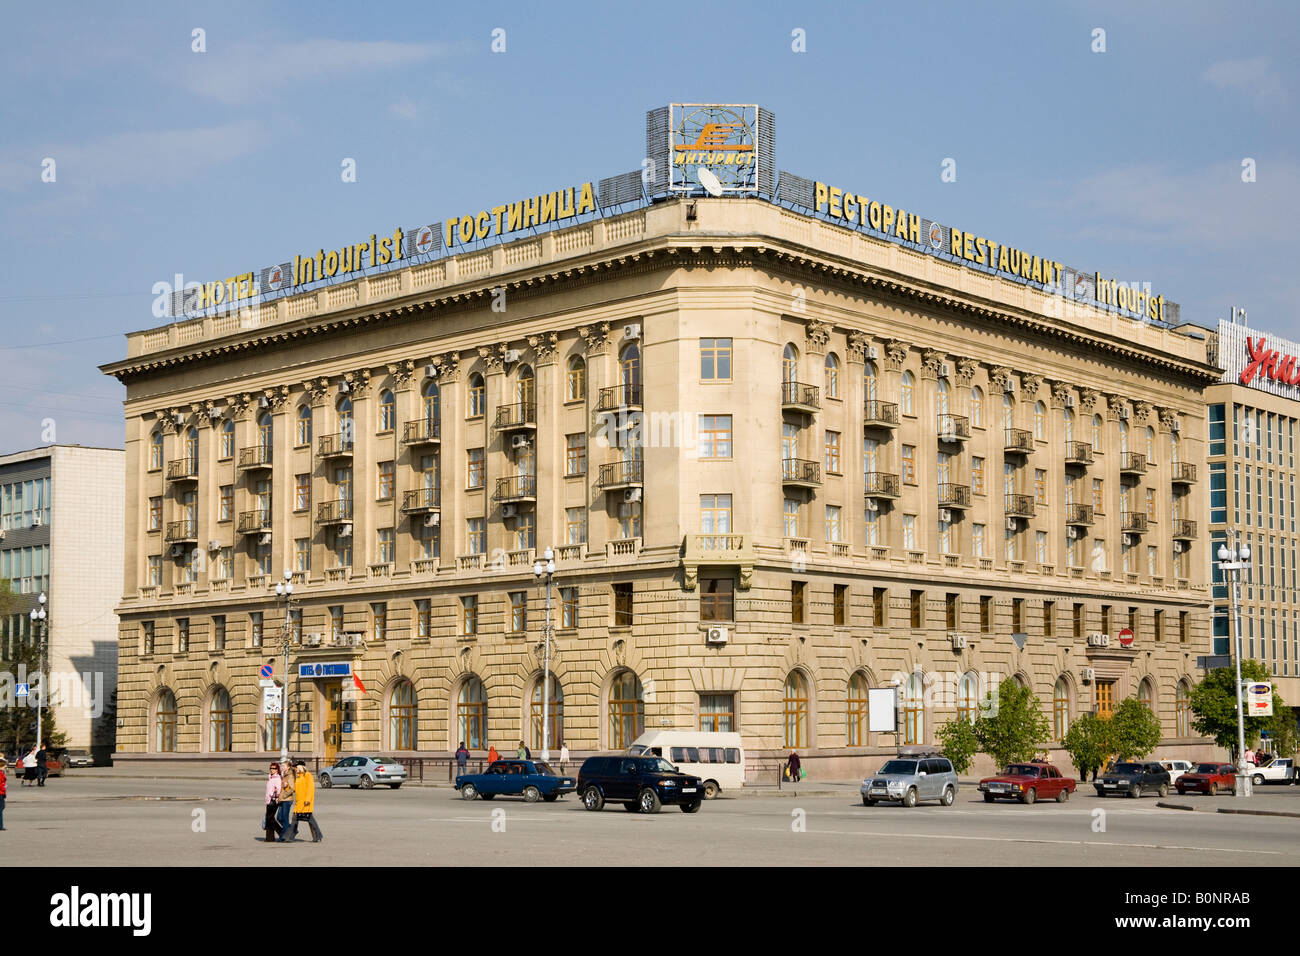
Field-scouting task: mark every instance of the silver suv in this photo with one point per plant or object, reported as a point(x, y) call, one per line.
point(910, 778)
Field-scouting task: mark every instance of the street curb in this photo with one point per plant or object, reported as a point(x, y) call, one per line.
point(1259, 813)
point(1174, 806)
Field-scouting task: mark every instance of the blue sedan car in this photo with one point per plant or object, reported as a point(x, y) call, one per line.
point(530, 779)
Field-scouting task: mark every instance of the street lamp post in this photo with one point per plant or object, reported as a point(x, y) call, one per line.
point(545, 573)
point(40, 622)
point(1232, 563)
point(284, 589)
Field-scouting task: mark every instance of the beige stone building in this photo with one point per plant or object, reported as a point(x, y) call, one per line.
point(780, 462)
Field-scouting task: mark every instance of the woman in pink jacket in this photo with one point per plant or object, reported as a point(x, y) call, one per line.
point(272, 801)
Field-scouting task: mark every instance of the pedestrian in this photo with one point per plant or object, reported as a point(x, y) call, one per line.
point(1250, 755)
point(284, 806)
point(564, 758)
point(3, 786)
point(522, 752)
point(462, 757)
point(493, 756)
point(272, 802)
point(528, 754)
point(792, 767)
point(304, 802)
point(29, 767)
point(41, 769)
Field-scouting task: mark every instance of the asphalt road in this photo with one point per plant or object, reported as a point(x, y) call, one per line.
point(124, 821)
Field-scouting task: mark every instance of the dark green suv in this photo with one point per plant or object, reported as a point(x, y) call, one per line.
point(642, 784)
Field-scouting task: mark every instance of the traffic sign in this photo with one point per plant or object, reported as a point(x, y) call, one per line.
point(267, 670)
point(23, 690)
point(1126, 637)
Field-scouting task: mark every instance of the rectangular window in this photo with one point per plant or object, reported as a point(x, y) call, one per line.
point(977, 540)
point(1017, 615)
point(714, 437)
point(301, 492)
point(518, 612)
point(379, 620)
point(302, 554)
point(218, 632)
point(575, 454)
point(474, 468)
point(909, 532)
point(717, 599)
point(986, 614)
point(476, 535)
point(1105, 619)
point(226, 504)
point(841, 605)
point(952, 611)
point(386, 546)
point(526, 531)
point(715, 360)
point(1099, 562)
point(155, 511)
point(1040, 547)
point(945, 537)
point(226, 564)
point(718, 713)
point(1151, 504)
point(909, 464)
point(1049, 618)
point(1185, 627)
point(871, 526)
point(469, 615)
point(879, 596)
point(1040, 486)
point(797, 590)
point(1216, 429)
point(1098, 496)
point(1153, 561)
point(1078, 617)
point(146, 628)
point(977, 475)
point(575, 525)
point(623, 604)
point(790, 518)
point(918, 610)
point(715, 514)
point(832, 453)
point(1158, 625)
point(568, 607)
point(832, 523)
point(387, 480)
point(423, 618)
point(182, 635)
point(155, 570)
point(255, 628)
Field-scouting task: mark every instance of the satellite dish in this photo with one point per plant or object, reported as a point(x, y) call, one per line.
point(711, 183)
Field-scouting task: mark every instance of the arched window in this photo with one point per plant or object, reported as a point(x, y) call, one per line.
point(471, 714)
point(165, 722)
point(870, 378)
point(477, 402)
point(1096, 433)
point(790, 364)
point(155, 451)
point(431, 408)
point(302, 434)
point(1040, 421)
point(967, 697)
point(525, 386)
point(977, 407)
point(1182, 710)
point(387, 411)
point(1151, 445)
point(401, 716)
point(554, 719)
point(832, 375)
point(265, 433)
point(941, 397)
point(576, 383)
point(1146, 695)
point(192, 447)
point(227, 441)
point(1123, 437)
point(907, 395)
point(1069, 424)
point(858, 724)
point(219, 721)
point(629, 374)
point(1008, 411)
point(344, 414)
point(1060, 708)
point(1173, 449)
point(626, 710)
point(795, 707)
point(914, 710)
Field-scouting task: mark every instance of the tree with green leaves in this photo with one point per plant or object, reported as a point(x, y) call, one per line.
point(959, 743)
point(1017, 729)
point(1134, 730)
point(18, 723)
point(1088, 742)
point(1213, 704)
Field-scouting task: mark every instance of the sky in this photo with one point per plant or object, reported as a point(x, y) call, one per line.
point(1120, 151)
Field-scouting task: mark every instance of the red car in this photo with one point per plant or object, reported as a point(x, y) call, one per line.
point(1209, 778)
point(1028, 782)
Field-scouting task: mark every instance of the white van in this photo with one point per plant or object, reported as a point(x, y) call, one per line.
point(716, 758)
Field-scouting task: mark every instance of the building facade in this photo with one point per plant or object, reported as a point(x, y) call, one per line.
point(1254, 413)
point(61, 510)
point(780, 461)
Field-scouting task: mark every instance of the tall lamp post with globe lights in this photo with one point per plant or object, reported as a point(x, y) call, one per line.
point(545, 573)
point(284, 590)
point(1232, 563)
point(40, 620)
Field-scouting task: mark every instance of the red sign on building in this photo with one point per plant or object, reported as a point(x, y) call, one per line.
point(1270, 362)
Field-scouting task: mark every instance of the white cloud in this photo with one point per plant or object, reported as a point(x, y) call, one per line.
point(405, 108)
point(1254, 77)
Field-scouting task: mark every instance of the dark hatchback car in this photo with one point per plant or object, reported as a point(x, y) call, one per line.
point(531, 779)
point(641, 784)
point(1133, 779)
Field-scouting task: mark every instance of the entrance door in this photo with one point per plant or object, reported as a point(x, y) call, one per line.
point(333, 719)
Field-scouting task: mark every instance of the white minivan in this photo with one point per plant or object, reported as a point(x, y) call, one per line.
point(716, 758)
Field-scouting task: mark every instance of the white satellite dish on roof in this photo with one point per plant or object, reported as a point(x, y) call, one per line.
point(709, 180)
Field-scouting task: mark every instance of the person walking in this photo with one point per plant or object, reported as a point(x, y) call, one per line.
point(304, 802)
point(3, 787)
point(564, 758)
point(462, 757)
point(284, 806)
point(522, 752)
point(272, 802)
point(42, 756)
point(29, 767)
point(1250, 755)
point(792, 767)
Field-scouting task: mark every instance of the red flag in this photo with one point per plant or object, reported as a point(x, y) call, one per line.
point(360, 686)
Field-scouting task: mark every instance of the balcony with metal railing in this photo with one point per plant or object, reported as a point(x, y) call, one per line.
point(1133, 522)
point(255, 458)
point(338, 445)
point(953, 428)
point(798, 397)
point(1132, 463)
point(187, 529)
point(183, 470)
point(1079, 515)
point(254, 522)
point(954, 496)
point(1184, 529)
point(1078, 453)
point(1017, 441)
point(880, 484)
point(516, 488)
point(421, 501)
point(334, 511)
point(1018, 506)
point(422, 431)
point(1183, 473)
point(617, 397)
point(801, 473)
point(880, 414)
point(516, 417)
point(622, 474)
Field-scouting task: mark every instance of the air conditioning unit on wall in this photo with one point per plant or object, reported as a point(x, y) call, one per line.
point(958, 641)
point(431, 520)
point(716, 635)
point(632, 331)
point(1088, 674)
point(509, 511)
point(1099, 640)
point(631, 495)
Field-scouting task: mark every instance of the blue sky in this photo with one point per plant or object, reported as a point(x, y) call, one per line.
point(208, 164)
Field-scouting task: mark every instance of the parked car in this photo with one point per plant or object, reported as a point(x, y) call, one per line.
point(77, 758)
point(639, 783)
point(531, 779)
point(1133, 779)
point(364, 772)
point(54, 766)
point(1277, 770)
point(1209, 778)
point(1176, 768)
point(1028, 782)
point(909, 779)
